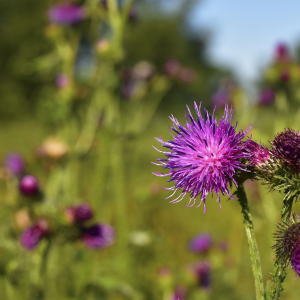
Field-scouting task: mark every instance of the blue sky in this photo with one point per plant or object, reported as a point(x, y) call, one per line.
point(244, 33)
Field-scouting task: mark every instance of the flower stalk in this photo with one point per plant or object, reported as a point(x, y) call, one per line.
point(253, 249)
point(279, 272)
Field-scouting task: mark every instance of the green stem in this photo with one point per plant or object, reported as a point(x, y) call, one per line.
point(253, 249)
point(279, 272)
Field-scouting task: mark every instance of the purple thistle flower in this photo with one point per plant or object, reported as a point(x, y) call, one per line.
point(259, 154)
point(98, 236)
point(187, 75)
point(266, 97)
point(79, 213)
point(62, 80)
point(179, 293)
point(202, 271)
point(172, 67)
point(29, 185)
point(282, 52)
point(286, 147)
point(66, 13)
point(285, 76)
point(15, 163)
point(287, 246)
point(204, 157)
point(32, 235)
point(295, 262)
point(201, 243)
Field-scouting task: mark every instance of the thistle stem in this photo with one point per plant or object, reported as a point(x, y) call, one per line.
point(279, 272)
point(253, 249)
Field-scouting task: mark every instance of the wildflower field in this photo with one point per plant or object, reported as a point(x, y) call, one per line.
point(109, 111)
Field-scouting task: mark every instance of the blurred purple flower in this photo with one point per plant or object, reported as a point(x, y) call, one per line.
point(179, 293)
point(29, 185)
point(187, 75)
point(282, 52)
point(66, 13)
point(62, 80)
point(98, 236)
point(201, 243)
point(202, 271)
point(15, 163)
point(285, 76)
point(172, 67)
point(266, 97)
point(79, 213)
point(221, 97)
point(204, 156)
point(31, 236)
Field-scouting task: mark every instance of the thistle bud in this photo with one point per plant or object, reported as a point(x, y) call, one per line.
point(32, 235)
point(79, 213)
point(287, 246)
point(201, 243)
point(29, 185)
point(98, 236)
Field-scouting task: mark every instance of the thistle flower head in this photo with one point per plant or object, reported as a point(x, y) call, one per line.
point(32, 235)
point(15, 163)
point(179, 293)
point(202, 271)
point(287, 246)
point(295, 262)
point(266, 97)
point(286, 147)
point(29, 185)
point(98, 236)
point(66, 13)
point(259, 154)
point(204, 156)
point(79, 213)
point(201, 243)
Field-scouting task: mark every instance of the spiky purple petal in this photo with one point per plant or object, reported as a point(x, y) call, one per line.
point(204, 156)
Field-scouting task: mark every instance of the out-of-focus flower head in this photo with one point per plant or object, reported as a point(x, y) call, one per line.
point(223, 245)
point(285, 75)
point(79, 213)
point(287, 246)
point(66, 13)
point(187, 75)
point(14, 163)
point(201, 243)
point(259, 154)
point(62, 81)
point(22, 218)
point(133, 13)
point(29, 185)
point(103, 46)
point(179, 293)
point(286, 147)
point(32, 235)
point(164, 271)
point(266, 97)
point(140, 238)
point(172, 67)
point(98, 236)
point(202, 271)
point(53, 148)
point(204, 156)
point(225, 93)
point(143, 71)
point(282, 52)
point(221, 97)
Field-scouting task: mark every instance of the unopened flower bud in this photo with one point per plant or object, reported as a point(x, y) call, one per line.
point(29, 185)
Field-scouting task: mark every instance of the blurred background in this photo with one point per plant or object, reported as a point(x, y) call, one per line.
point(85, 87)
